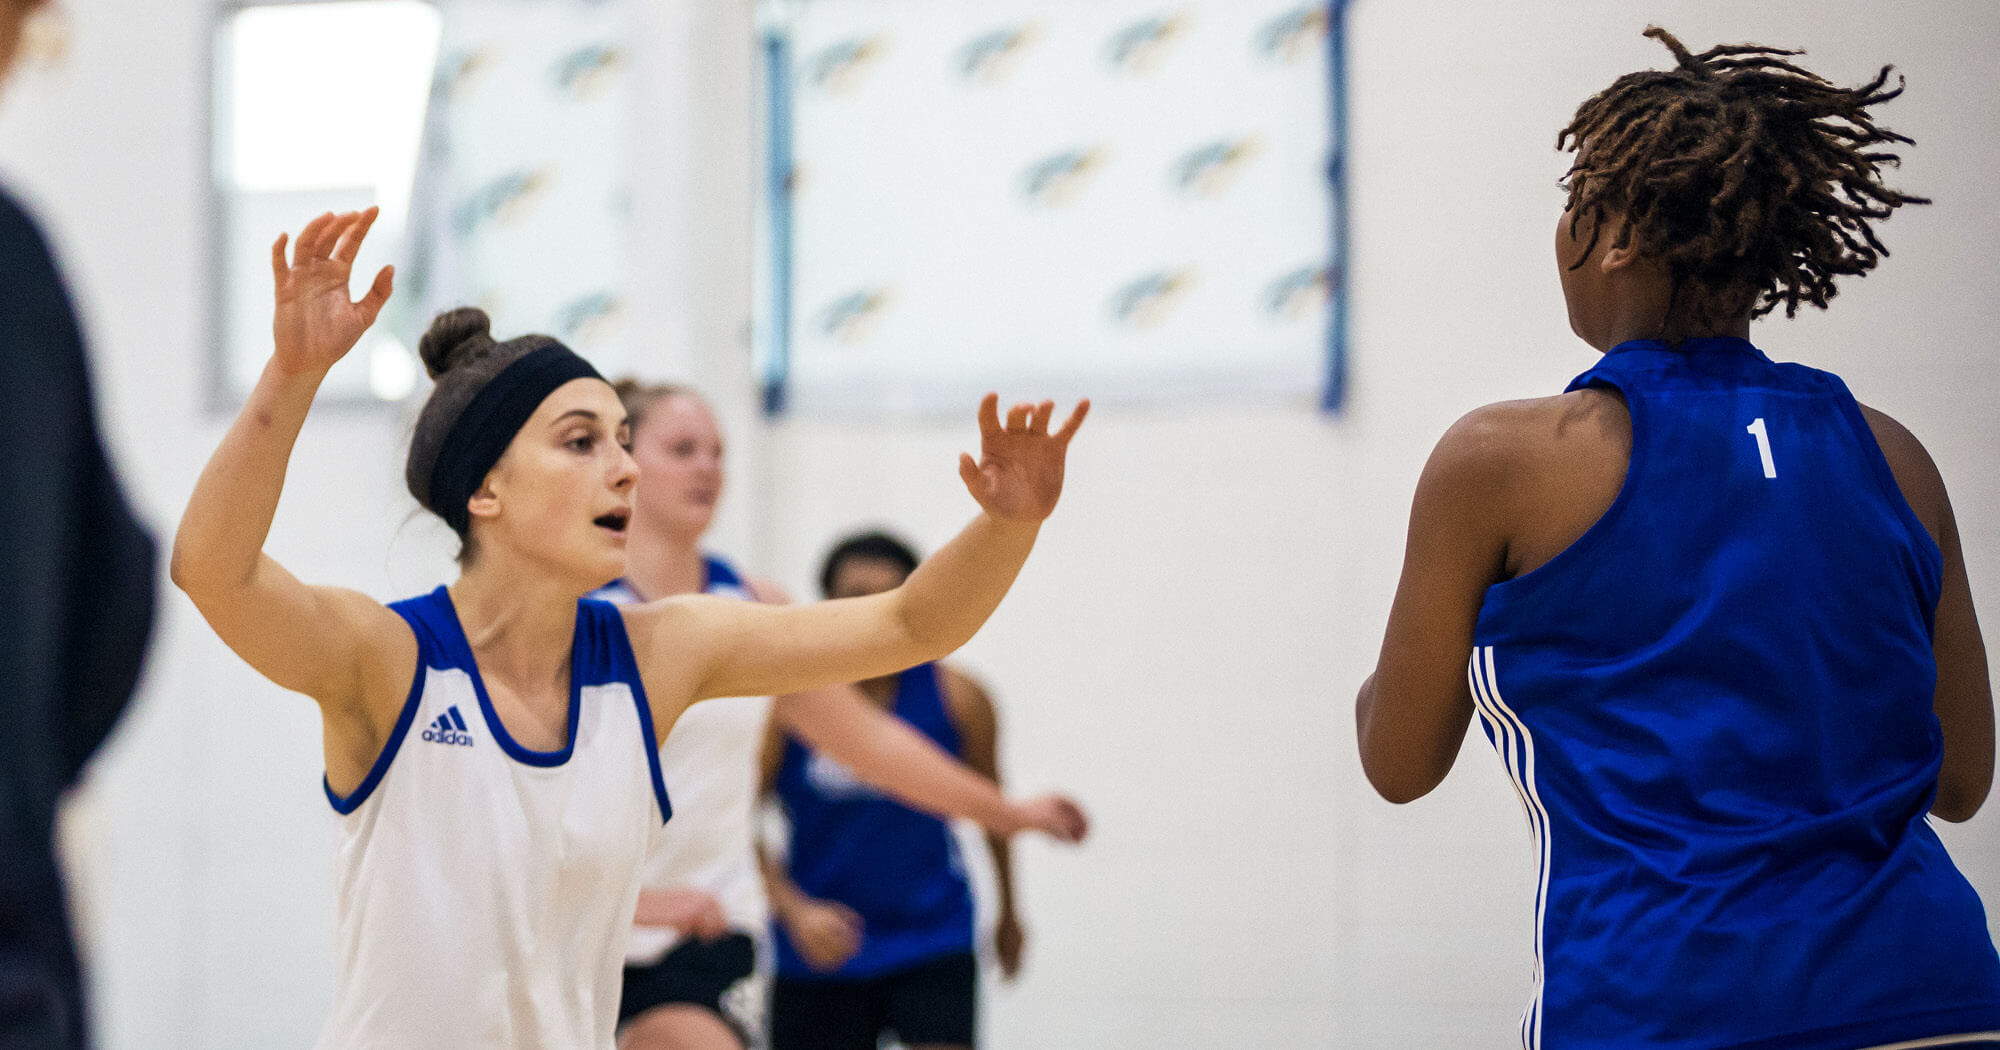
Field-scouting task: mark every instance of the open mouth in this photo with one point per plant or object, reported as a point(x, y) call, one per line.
point(615, 521)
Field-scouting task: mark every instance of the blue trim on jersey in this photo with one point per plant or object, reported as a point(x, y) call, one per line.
point(622, 665)
point(353, 801)
point(458, 651)
point(719, 573)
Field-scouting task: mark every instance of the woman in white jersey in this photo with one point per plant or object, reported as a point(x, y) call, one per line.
point(704, 906)
point(493, 745)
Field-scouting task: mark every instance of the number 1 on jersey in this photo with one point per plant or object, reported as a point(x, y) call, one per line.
point(1763, 446)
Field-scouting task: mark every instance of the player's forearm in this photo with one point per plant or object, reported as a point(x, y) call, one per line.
point(888, 754)
point(1003, 871)
point(946, 600)
point(229, 515)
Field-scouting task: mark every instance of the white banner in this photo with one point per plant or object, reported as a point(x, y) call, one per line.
point(1054, 197)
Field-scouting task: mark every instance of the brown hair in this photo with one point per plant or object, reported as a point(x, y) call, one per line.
point(461, 355)
point(1752, 180)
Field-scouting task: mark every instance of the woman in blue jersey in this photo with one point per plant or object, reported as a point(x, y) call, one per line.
point(493, 746)
point(873, 915)
point(1712, 613)
point(688, 967)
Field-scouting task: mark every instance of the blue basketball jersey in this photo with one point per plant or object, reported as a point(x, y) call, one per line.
point(897, 868)
point(1716, 708)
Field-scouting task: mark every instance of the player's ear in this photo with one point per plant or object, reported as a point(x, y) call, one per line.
point(1614, 259)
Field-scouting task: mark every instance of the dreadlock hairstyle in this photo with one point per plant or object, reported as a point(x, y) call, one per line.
point(1751, 180)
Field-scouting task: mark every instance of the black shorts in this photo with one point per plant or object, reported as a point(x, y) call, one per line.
point(695, 973)
point(935, 1001)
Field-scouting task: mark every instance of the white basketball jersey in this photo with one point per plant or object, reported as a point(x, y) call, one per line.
point(486, 890)
point(710, 765)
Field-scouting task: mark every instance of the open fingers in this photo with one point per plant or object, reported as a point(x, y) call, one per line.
point(378, 293)
point(329, 239)
point(278, 268)
point(307, 244)
point(1074, 421)
point(349, 244)
point(989, 416)
point(968, 472)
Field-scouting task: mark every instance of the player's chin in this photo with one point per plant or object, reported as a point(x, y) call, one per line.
point(601, 557)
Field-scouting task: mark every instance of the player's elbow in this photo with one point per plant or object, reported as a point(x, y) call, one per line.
point(1397, 770)
point(185, 570)
point(1959, 799)
point(1395, 783)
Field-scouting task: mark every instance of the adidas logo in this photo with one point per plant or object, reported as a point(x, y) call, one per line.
point(449, 728)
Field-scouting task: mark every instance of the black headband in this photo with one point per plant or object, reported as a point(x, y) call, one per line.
point(488, 425)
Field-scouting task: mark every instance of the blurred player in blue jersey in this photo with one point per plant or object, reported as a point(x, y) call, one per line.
point(872, 911)
point(1712, 613)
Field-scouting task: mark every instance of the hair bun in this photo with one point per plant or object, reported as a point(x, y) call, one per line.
point(454, 338)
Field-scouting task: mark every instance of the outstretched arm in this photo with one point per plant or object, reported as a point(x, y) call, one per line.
point(335, 645)
point(887, 753)
point(731, 648)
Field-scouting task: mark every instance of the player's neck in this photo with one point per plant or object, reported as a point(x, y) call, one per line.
point(660, 564)
point(520, 628)
point(1651, 312)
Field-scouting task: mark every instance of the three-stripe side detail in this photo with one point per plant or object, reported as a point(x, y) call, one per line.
point(1516, 747)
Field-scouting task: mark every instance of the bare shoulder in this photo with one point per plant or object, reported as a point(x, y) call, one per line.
point(1521, 480)
point(1493, 443)
point(1916, 474)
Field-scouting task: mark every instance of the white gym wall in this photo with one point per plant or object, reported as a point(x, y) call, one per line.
point(1183, 650)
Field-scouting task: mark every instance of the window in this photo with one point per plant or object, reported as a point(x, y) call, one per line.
point(318, 107)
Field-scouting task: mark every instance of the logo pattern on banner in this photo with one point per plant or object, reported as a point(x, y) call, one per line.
point(1060, 179)
point(840, 69)
point(1143, 47)
point(523, 171)
point(1122, 198)
point(1211, 170)
point(994, 58)
point(1295, 35)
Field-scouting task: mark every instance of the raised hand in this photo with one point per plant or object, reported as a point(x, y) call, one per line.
point(1019, 473)
point(315, 323)
point(1056, 816)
